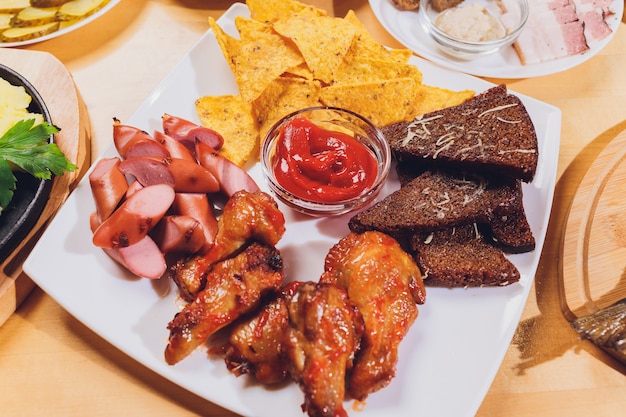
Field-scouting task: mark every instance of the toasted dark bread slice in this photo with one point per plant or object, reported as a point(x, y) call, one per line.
point(490, 132)
point(511, 231)
point(461, 257)
point(437, 200)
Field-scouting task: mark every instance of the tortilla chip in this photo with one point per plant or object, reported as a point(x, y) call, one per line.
point(401, 55)
point(359, 69)
point(249, 28)
point(270, 11)
point(430, 98)
point(290, 56)
point(360, 27)
point(365, 45)
point(232, 118)
point(258, 59)
point(285, 95)
point(301, 71)
point(322, 40)
point(383, 103)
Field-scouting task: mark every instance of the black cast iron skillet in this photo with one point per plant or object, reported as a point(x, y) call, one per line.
point(31, 194)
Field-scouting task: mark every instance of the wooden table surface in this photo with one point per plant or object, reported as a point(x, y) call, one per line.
point(51, 364)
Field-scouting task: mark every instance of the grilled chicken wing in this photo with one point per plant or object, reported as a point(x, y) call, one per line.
point(320, 343)
point(245, 217)
point(189, 274)
point(385, 284)
point(254, 345)
point(233, 287)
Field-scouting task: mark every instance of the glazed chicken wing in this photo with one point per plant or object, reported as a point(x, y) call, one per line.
point(385, 284)
point(320, 342)
point(245, 217)
point(255, 343)
point(189, 274)
point(233, 287)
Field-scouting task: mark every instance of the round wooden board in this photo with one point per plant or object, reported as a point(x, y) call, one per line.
point(56, 85)
point(594, 241)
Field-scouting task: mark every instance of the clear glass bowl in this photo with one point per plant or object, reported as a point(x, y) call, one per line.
point(509, 15)
point(333, 119)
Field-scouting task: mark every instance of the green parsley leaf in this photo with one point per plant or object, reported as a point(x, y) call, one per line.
point(7, 184)
point(26, 147)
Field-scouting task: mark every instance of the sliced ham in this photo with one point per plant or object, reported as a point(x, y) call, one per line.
point(596, 27)
point(546, 39)
point(560, 28)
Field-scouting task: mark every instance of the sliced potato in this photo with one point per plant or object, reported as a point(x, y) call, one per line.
point(65, 23)
point(77, 9)
point(13, 6)
point(34, 16)
point(47, 3)
point(27, 33)
point(5, 20)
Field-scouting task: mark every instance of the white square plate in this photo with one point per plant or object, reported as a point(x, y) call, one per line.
point(447, 361)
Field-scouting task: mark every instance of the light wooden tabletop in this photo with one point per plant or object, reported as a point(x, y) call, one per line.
point(51, 364)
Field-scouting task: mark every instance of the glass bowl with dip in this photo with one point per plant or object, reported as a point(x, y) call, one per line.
point(473, 28)
point(325, 161)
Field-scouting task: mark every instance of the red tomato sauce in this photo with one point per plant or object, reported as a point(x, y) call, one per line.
point(320, 165)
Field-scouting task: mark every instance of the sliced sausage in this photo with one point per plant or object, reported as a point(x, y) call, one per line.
point(174, 147)
point(185, 176)
point(108, 186)
point(147, 147)
point(143, 258)
point(232, 177)
point(132, 221)
point(188, 132)
point(179, 234)
point(94, 221)
point(124, 136)
point(133, 188)
point(148, 171)
point(197, 205)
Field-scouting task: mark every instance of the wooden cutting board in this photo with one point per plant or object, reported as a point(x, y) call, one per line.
point(594, 240)
point(67, 110)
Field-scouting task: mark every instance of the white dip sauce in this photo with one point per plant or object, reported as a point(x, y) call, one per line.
point(472, 23)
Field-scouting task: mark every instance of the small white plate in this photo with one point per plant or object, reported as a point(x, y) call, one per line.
point(447, 361)
point(65, 30)
point(406, 28)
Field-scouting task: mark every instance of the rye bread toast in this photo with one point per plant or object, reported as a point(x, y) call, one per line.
point(490, 132)
point(437, 200)
point(511, 232)
point(461, 257)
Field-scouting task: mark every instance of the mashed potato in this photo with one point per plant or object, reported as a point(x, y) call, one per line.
point(14, 103)
point(472, 23)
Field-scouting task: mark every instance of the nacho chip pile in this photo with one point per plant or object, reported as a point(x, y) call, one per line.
point(290, 55)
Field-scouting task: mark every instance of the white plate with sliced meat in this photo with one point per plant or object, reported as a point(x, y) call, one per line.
point(448, 359)
point(589, 29)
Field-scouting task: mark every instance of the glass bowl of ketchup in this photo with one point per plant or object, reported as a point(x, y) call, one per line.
point(325, 161)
